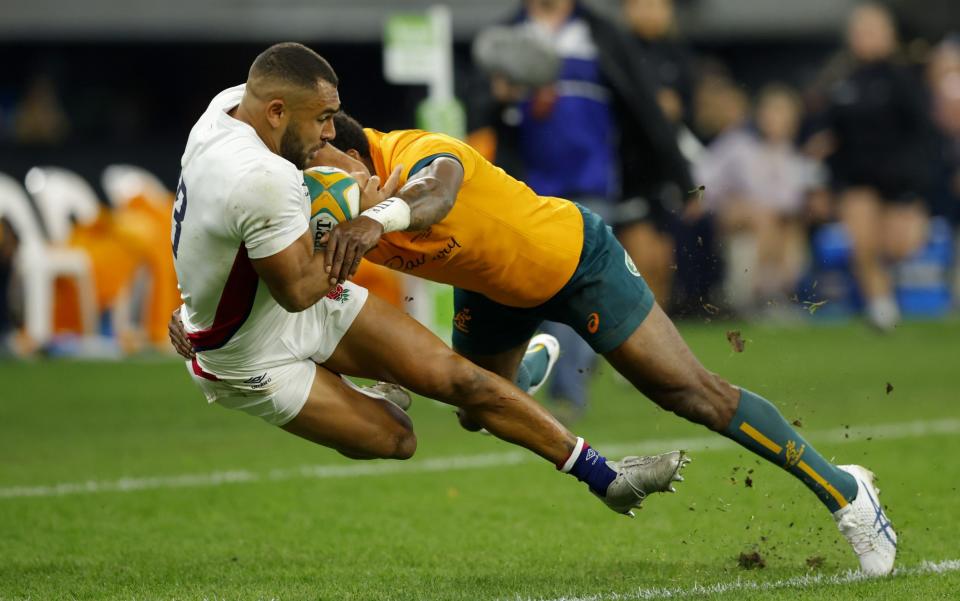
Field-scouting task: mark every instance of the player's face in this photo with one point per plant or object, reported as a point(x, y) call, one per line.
point(310, 126)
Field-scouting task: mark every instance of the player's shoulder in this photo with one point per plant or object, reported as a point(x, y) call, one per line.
point(219, 138)
point(228, 98)
point(419, 142)
point(409, 136)
point(269, 176)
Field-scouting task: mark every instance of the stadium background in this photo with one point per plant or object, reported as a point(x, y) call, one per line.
point(116, 481)
point(133, 76)
point(124, 82)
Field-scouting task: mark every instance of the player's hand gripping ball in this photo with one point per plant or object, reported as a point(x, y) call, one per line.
point(334, 197)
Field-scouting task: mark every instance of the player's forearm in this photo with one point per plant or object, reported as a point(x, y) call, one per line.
point(310, 287)
point(429, 199)
point(297, 278)
point(303, 294)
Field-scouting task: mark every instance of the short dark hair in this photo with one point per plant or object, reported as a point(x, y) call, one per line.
point(292, 63)
point(350, 135)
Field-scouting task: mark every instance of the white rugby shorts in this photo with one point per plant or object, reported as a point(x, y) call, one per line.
point(277, 393)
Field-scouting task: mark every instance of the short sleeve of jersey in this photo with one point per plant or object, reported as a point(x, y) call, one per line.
point(426, 148)
point(268, 209)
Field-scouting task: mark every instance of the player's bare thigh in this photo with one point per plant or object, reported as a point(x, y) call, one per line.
point(359, 426)
point(385, 344)
point(657, 360)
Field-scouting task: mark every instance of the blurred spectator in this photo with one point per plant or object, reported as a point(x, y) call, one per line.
point(877, 137)
point(650, 241)
point(594, 133)
point(720, 105)
point(757, 181)
point(943, 77)
point(667, 57)
point(39, 119)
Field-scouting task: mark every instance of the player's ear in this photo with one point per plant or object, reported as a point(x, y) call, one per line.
point(276, 112)
point(354, 154)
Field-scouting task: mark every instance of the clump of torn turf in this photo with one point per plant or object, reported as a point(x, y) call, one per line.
point(815, 562)
point(751, 561)
point(737, 343)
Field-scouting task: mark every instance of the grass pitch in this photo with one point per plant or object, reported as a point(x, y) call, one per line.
point(117, 481)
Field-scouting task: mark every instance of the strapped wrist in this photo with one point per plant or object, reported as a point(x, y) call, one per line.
point(393, 214)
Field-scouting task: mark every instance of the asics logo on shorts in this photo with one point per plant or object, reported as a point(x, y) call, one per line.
point(593, 323)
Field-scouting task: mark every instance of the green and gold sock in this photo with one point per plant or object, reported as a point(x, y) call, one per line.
point(533, 368)
point(759, 427)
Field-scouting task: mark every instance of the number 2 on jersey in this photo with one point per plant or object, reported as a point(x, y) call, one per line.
point(179, 212)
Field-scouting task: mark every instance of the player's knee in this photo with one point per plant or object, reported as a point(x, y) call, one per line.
point(472, 389)
point(467, 422)
point(476, 389)
point(401, 443)
point(405, 445)
point(459, 382)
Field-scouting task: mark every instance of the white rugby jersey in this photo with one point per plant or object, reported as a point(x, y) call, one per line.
point(235, 201)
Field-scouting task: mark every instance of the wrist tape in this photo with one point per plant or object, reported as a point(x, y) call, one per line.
point(393, 214)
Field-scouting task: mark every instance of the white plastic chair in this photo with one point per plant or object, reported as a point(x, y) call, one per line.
point(122, 183)
point(62, 198)
point(125, 182)
point(39, 264)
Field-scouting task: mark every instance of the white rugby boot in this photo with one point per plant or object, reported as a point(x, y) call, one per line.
point(553, 353)
point(637, 477)
point(865, 525)
point(387, 391)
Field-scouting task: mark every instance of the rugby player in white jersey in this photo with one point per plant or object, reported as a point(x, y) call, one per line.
point(272, 330)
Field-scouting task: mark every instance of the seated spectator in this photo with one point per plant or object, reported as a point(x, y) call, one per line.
point(756, 183)
point(943, 76)
point(719, 105)
point(877, 138)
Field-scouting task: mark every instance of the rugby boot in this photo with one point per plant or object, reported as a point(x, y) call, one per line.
point(552, 346)
point(638, 477)
point(394, 393)
point(865, 525)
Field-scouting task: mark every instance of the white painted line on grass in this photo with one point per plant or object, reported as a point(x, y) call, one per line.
point(805, 581)
point(714, 442)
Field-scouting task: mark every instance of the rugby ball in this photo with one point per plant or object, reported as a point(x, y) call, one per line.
point(334, 197)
